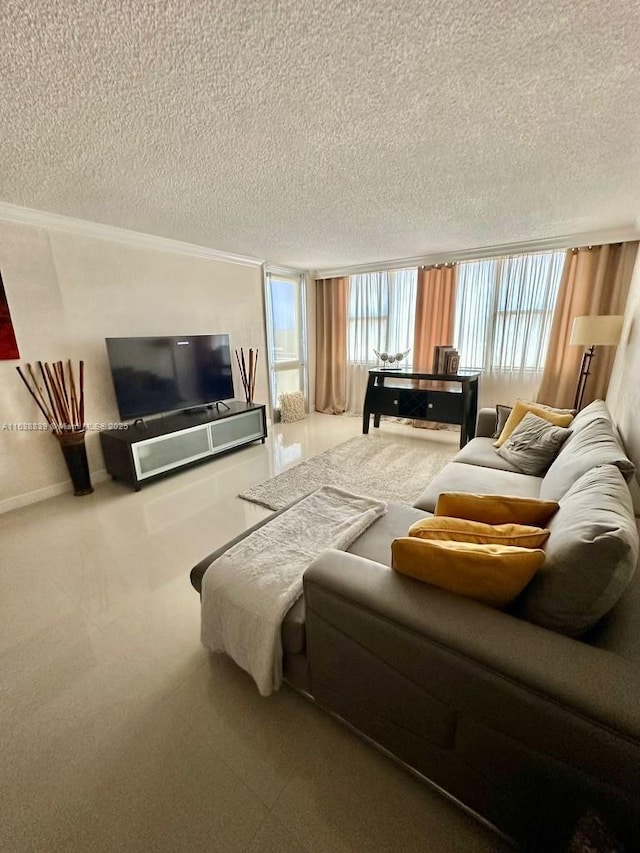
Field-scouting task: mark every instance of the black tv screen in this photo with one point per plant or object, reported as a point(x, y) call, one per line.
point(154, 375)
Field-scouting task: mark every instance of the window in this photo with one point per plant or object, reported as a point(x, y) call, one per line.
point(286, 333)
point(504, 311)
point(503, 315)
point(382, 310)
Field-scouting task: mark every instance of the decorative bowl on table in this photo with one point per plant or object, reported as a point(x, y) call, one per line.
point(393, 358)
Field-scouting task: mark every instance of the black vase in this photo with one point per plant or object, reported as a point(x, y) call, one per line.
point(75, 455)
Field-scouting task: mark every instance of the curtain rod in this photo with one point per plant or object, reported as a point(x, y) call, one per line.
point(573, 249)
point(618, 235)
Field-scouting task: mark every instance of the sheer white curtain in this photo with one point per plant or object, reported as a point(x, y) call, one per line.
point(382, 310)
point(504, 311)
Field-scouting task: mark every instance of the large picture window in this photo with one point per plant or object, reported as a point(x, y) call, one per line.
point(503, 315)
point(382, 310)
point(504, 310)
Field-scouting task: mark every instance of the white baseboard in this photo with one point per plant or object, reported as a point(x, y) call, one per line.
point(47, 492)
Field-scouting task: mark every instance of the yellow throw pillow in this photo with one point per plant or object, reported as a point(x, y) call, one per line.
point(495, 509)
point(463, 530)
point(522, 408)
point(492, 574)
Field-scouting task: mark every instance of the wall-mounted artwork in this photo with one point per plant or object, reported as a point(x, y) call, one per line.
point(8, 343)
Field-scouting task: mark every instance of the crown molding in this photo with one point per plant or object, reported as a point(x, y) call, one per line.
point(591, 238)
point(58, 222)
point(85, 228)
point(274, 269)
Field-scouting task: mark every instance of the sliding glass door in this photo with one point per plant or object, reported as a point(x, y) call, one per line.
point(286, 334)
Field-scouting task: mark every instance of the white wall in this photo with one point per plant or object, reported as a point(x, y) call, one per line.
point(623, 395)
point(67, 292)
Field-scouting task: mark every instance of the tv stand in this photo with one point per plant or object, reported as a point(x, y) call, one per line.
point(148, 450)
point(217, 405)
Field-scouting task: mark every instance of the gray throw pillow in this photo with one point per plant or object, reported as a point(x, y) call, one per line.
point(502, 415)
point(533, 445)
point(503, 412)
point(590, 556)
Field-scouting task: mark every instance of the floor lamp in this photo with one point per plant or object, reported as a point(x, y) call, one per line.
point(602, 331)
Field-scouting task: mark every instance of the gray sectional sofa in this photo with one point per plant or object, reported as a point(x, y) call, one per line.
point(526, 726)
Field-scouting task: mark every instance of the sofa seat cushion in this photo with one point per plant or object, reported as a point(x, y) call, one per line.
point(591, 555)
point(481, 451)
point(593, 444)
point(458, 477)
point(375, 542)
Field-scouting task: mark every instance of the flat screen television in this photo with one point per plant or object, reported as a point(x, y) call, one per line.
point(154, 375)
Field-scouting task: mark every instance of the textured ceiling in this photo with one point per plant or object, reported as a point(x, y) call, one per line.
point(319, 133)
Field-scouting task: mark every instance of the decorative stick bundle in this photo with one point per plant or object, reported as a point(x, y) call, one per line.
point(56, 395)
point(248, 373)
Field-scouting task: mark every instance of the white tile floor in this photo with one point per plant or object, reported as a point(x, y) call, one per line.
point(120, 733)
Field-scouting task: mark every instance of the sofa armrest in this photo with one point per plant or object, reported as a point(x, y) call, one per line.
point(582, 679)
point(486, 423)
point(500, 713)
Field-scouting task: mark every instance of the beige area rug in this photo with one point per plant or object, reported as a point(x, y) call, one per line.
point(371, 465)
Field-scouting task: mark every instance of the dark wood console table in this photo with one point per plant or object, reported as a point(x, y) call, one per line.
point(445, 398)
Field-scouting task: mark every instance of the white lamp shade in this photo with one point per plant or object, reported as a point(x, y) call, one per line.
point(603, 330)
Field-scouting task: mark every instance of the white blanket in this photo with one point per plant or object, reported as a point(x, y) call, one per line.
point(248, 590)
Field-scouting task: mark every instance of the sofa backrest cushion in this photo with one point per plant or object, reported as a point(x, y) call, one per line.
point(590, 556)
point(596, 409)
point(591, 444)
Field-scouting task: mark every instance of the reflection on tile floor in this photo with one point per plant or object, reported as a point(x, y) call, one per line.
point(120, 733)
